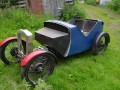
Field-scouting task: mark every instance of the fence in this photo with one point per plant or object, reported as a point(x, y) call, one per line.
point(20, 4)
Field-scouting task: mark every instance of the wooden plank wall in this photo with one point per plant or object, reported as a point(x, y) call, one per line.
point(53, 6)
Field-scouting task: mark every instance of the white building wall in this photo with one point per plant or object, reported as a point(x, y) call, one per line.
point(104, 2)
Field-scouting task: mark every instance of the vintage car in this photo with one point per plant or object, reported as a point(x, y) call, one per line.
point(59, 38)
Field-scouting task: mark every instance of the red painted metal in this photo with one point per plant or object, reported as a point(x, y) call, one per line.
point(6, 40)
point(29, 57)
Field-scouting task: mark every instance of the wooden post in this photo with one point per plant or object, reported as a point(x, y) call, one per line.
point(35, 6)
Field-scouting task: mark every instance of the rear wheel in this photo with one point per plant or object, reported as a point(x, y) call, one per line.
point(101, 43)
point(9, 51)
point(38, 67)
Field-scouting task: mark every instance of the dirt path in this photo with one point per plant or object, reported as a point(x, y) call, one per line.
point(90, 9)
point(111, 22)
point(90, 15)
point(114, 15)
point(109, 12)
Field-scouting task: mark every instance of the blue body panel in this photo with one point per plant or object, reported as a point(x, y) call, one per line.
point(78, 41)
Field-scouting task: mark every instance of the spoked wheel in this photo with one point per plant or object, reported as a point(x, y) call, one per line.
point(38, 67)
point(9, 51)
point(101, 43)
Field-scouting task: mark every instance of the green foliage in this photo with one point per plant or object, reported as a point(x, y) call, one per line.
point(42, 86)
point(114, 5)
point(11, 20)
point(71, 11)
point(9, 84)
point(2, 5)
point(24, 85)
point(87, 72)
point(20, 18)
point(12, 1)
point(78, 72)
point(90, 2)
point(7, 3)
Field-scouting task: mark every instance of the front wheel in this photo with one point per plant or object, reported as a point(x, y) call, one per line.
point(9, 51)
point(100, 44)
point(39, 66)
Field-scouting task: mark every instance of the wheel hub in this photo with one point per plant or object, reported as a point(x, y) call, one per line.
point(14, 51)
point(38, 68)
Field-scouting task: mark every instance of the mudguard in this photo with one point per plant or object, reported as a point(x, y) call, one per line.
point(33, 54)
point(107, 37)
point(6, 40)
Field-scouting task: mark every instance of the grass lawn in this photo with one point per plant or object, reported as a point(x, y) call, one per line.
point(79, 72)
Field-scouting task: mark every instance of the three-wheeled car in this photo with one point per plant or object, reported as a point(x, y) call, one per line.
point(58, 38)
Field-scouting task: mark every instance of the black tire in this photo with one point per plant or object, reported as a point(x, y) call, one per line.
point(39, 67)
point(100, 44)
point(8, 52)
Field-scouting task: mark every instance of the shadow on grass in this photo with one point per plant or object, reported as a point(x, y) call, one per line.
point(78, 56)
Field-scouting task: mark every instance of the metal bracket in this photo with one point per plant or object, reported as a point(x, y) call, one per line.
point(29, 42)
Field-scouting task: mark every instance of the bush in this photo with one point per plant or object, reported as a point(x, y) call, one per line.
point(12, 2)
point(71, 11)
point(7, 3)
point(115, 5)
point(90, 2)
point(12, 19)
point(2, 5)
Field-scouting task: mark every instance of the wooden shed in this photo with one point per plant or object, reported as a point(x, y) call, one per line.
point(52, 7)
point(35, 6)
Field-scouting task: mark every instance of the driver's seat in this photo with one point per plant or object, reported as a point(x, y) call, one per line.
point(85, 26)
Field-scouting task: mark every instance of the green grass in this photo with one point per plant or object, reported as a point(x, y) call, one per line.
point(11, 20)
point(79, 72)
point(88, 72)
point(109, 9)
